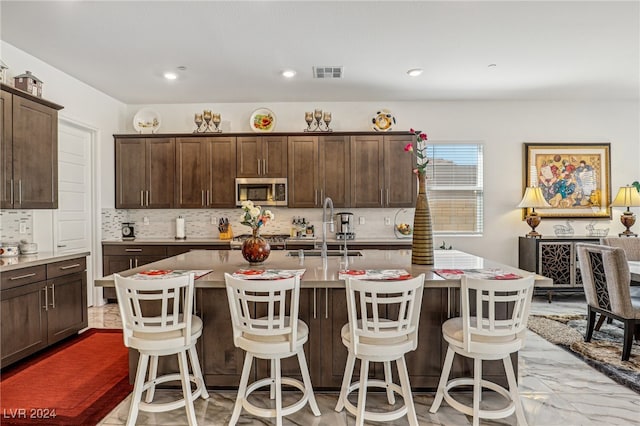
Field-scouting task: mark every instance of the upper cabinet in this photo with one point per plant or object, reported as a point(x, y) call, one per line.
point(145, 173)
point(261, 156)
point(205, 172)
point(29, 145)
point(381, 172)
point(318, 168)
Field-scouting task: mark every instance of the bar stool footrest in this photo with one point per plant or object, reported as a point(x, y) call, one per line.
point(159, 407)
point(372, 416)
point(271, 412)
point(468, 410)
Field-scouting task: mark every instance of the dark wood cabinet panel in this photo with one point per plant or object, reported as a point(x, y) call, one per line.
point(261, 156)
point(335, 177)
point(38, 310)
point(367, 171)
point(303, 180)
point(205, 172)
point(145, 169)
point(401, 184)
point(29, 150)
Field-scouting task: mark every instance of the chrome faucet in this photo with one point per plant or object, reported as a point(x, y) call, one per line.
point(327, 202)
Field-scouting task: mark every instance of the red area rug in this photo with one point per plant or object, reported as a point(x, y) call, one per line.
point(77, 382)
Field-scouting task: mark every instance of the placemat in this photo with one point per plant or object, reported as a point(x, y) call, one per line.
point(486, 274)
point(374, 274)
point(152, 274)
point(267, 274)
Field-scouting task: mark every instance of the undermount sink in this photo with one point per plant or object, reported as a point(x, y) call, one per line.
point(329, 253)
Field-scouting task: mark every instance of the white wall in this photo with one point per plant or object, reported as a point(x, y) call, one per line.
point(502, 126)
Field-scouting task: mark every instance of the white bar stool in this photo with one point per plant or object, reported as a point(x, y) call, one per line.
point(487, 339)
point(157, 320)
point(273, 337)
point(383, 326)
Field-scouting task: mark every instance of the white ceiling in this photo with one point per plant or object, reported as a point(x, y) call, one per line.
point(234, 51)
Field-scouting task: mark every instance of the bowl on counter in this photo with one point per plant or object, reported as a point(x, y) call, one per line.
point(28, 248)
point(9, 250)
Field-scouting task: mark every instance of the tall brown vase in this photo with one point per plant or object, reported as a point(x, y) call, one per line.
point(422, 245)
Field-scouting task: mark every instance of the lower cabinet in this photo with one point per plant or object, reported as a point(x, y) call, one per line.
point(41, 305)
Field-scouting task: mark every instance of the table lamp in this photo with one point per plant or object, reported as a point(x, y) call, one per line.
point(533, 198)
point(627, 196)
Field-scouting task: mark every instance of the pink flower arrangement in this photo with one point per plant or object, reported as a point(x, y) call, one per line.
point(419, 151)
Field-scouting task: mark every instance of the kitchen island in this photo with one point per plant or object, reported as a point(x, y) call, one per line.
point(323, 308)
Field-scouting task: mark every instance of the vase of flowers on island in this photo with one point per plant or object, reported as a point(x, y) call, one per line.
point(255, 249)
point(422, 243)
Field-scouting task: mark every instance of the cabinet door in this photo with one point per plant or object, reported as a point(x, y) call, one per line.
point(23, 324)
point(249, 156)
point(221, 172)
point(6, 150)
point(556, 262)
point(303, 179)
point(67, 311)
point(130, 173)
point(160, 172)
point(334, 162)
point(367, 171)
point(191, 173)
point(400, 182)
point(35, 155)
point(274, 156)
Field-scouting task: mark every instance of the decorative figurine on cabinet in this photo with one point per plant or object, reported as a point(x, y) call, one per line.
point(3, 72)
point(29, 83)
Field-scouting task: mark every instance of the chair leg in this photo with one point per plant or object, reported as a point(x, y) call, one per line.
point(186, 388)
point(272, 388)
point(346, 381)
point(591, 320)
point(141, 373)
point(600, 322)
point(444, 378)
point(406, 391)
point(153, 374)
point(388, 379)
point(477, 390)
point(306, 379)
point(513, 390)
point(362, 392)
point(278, 386)
point(242, 389)
point(629, 326)
point(197, 371)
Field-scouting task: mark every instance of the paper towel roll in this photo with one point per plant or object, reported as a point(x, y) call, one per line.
point(180, 232)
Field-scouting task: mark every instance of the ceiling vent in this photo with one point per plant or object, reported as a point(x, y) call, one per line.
point(327, 72)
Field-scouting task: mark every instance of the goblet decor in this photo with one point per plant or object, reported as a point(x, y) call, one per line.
point(321, 119)
point(207, 122)
point(216, 122)
point(198, 120)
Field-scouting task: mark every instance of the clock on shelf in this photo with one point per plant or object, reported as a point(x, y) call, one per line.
point(128, 231)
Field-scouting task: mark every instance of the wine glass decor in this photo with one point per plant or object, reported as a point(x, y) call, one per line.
point(207, 122)
point(321, 119)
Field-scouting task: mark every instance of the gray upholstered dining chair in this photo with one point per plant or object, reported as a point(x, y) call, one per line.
point(630, 245)
point(606, 279)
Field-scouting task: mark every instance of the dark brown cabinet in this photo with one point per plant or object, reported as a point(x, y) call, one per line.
point(145, 169)
point(118, 258)
point(381, 172)
point(41, 305)
point(261, 156)
point(29, 147)
point(318, 168)
point(205, 172)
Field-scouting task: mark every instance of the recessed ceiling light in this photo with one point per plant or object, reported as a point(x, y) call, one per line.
point(170, 75)
point(288, 73)
point(492, 65)
point(414, 72)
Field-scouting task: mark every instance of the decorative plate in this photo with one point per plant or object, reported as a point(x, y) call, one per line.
point(383, 121)
point(146, 121)
point(262, 120)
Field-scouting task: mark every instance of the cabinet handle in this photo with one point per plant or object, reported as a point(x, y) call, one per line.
point(11, 191)
point(202, 197)
point(75, 265)
point(20, 191)
point(258, 167)
point(326, 303)
point(46, 298)
point(136, 262)
point(208, 197)
point(19, 277)
point(133, 250)
point(53, 296)
point(381, 197)
point(314, 304)
point(265, 167)
point(147, 198)
point(142, 197)
point(130, 263)
point(315, 197)
point(387, 197)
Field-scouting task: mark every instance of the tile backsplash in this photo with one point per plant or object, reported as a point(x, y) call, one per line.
point(10, 223)
point(158, 223)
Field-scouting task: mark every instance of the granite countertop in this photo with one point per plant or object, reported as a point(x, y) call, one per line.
point(169, 241)
point(320, 273)
point(295, 240)
point(42, 258)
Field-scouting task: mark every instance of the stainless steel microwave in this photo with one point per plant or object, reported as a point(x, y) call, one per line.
point(262, 191)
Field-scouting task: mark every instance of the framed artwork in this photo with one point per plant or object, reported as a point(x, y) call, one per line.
point(575, 178)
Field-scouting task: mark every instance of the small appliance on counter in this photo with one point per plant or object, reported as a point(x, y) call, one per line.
point(180, 229)
point(27, 247)
point(345, 226)
point(128, 233)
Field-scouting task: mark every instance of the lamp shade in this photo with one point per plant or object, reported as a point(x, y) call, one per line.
point(627, 196)
point(533, 198)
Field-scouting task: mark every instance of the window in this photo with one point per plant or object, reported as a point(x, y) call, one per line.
point(455, 187)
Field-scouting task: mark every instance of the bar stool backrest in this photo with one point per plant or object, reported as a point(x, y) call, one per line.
point(367, 302)
point(247, 298)
point(154, 306)
point(483, 301)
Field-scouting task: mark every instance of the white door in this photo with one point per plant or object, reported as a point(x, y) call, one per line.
point(73, 220)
